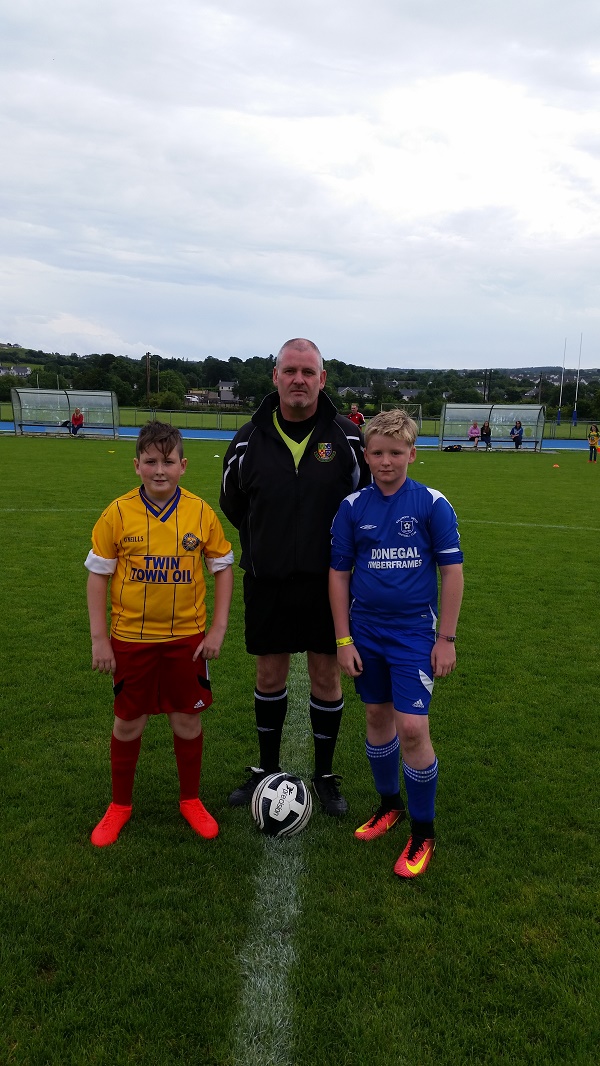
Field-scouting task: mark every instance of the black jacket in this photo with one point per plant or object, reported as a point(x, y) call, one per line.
point(284, 516)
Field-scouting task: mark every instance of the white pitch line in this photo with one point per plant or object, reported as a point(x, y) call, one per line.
point(49, 510)
point(528, 525)
point(462, 521)
point(263, 1028)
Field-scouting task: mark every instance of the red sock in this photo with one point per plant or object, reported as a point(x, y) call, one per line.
point(123, 761)
point(188, 754)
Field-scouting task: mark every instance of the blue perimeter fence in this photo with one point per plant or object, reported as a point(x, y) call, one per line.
point(551, 443)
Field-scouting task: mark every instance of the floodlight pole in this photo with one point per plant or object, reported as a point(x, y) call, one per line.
point(148, 378)
point(577, 384)
point(562, 378)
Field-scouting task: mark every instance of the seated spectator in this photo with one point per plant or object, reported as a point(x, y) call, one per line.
point(474, 434)
point(517, 434)
point(76, 422)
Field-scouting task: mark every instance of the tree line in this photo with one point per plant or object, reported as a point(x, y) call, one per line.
point(162, 383)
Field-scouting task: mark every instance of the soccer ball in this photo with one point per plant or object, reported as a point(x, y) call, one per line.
point(281, 805)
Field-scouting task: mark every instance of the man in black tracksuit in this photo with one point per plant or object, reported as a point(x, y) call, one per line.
point(284, 477)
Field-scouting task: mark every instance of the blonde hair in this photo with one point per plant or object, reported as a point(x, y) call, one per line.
point(395, 423)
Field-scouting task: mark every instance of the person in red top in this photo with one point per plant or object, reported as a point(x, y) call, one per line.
point(356, 416)
point(76, 422)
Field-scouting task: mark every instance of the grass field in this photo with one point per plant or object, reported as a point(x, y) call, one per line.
point(165, 949)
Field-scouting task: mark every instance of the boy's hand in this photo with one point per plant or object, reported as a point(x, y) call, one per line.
point(349, 661)
point(443, 657)
point(103, 657)
point(210, 647)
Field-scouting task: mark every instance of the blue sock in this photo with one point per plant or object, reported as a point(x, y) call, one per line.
point(385, 766)
point(420, 791)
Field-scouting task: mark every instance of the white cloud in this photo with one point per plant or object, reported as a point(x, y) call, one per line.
point(415, 183)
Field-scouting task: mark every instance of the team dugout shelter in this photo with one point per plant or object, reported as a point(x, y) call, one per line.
point(456, 418)
point(49, 411)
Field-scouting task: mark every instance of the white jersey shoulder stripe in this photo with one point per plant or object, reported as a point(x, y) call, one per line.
point(435, 494)
point(352, 497)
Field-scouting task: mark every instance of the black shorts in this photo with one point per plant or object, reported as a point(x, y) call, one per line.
point(291, 615)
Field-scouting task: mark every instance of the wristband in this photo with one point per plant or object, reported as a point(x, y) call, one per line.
point(443, 636)
point(344, 641)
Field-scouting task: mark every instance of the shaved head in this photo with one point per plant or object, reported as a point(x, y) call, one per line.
point(300, 344)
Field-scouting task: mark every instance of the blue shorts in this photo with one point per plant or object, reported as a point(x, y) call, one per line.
point(396, 667)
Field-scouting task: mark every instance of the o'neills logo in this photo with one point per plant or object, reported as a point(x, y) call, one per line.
point(324, 453)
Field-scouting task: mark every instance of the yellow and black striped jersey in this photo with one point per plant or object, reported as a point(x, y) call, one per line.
point(154, 558)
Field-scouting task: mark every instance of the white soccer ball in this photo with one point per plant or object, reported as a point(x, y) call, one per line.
point(281, 805)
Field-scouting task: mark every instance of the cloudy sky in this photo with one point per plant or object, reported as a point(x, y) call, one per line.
point(407, 182)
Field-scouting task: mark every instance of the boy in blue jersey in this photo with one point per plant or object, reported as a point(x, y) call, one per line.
point(388, 542)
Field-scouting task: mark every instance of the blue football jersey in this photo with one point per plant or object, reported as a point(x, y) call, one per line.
point(393, 545)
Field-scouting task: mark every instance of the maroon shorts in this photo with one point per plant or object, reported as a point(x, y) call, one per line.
point(159, 678)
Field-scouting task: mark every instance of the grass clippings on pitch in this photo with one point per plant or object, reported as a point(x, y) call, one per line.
point(135, 953)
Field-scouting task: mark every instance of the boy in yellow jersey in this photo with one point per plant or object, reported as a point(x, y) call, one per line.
point(150, 545)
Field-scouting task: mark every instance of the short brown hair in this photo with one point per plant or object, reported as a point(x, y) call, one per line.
point(396, 423)
point(164, 436)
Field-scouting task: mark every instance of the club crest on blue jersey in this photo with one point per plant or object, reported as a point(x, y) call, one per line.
point(190, 542)
point(407, 526)
point(324, 453)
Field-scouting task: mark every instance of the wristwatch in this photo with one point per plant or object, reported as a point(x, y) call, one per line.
point(452, 640)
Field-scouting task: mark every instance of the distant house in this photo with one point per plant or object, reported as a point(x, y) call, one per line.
point(226, 392)
point(15, 371)
point(356, 390)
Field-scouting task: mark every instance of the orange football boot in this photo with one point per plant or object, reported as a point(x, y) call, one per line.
point(198, 817)
point(415, 858)
point(109, 827)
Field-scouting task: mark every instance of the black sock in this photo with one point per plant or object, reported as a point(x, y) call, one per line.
point(392, 803)
point(325, 718)
point(270, 709)
point(422, 829)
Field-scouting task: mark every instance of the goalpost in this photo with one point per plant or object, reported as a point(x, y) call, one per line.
point(415, 410)
point(49, 411)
